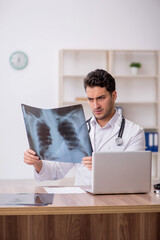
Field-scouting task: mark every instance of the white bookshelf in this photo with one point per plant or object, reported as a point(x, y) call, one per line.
point(138, 95)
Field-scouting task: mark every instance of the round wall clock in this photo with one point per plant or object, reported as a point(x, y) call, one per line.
point(18, 60)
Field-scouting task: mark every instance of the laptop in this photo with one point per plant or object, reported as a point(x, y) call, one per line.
point(121, 172)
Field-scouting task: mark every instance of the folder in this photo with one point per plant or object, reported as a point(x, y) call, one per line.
point(151, 141)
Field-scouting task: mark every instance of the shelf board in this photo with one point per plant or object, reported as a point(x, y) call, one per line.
point(84, 50)
point(139, 103)
point(133, 51)
point(115, 76)
point(73, 76)
point(74, 102)
point(150, 127)
point(117, 103)
point(136, 76)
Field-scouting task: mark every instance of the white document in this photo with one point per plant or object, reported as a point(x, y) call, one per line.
point(64, 190)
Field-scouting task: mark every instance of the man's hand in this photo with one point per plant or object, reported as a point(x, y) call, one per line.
point(87, 162)
point(31, 158)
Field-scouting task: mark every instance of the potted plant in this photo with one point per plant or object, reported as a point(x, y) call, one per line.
point(135, 66)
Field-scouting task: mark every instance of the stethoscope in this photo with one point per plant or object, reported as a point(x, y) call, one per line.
point(119, 140)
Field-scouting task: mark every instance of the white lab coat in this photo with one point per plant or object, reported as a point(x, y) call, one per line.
point(133, 140)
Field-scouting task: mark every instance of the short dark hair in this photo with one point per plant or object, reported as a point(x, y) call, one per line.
point(100, 78)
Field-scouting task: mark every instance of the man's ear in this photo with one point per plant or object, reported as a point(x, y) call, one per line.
point(114, 95)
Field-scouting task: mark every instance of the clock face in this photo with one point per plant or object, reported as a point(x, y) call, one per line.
point(18, 60)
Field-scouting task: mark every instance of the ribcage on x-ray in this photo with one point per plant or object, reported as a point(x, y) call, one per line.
point(44, 137)
point(69, 134)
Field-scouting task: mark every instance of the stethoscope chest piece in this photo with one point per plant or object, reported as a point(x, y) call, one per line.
point(119, 141)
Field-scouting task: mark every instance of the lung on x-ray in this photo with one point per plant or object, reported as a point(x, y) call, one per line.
point(58, 134)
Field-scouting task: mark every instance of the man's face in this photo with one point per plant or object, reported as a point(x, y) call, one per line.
point(101, 102)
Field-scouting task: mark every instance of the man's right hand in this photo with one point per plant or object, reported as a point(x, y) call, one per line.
point(31, 158)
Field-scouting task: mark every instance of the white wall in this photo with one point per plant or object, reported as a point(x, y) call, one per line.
point(41, 28)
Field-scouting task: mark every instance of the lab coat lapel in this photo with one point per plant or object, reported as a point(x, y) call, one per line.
point(107, 138)
point(92, 138)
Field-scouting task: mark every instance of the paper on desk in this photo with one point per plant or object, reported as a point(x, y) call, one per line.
point(64, 190)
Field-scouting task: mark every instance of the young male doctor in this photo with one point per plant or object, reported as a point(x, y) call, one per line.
point(108, 131)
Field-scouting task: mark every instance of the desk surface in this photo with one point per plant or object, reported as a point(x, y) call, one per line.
point(84, 203)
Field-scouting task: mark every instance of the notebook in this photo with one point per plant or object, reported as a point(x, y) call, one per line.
point(121, 172)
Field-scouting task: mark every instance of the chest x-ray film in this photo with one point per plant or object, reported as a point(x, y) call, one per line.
point(58, 134)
